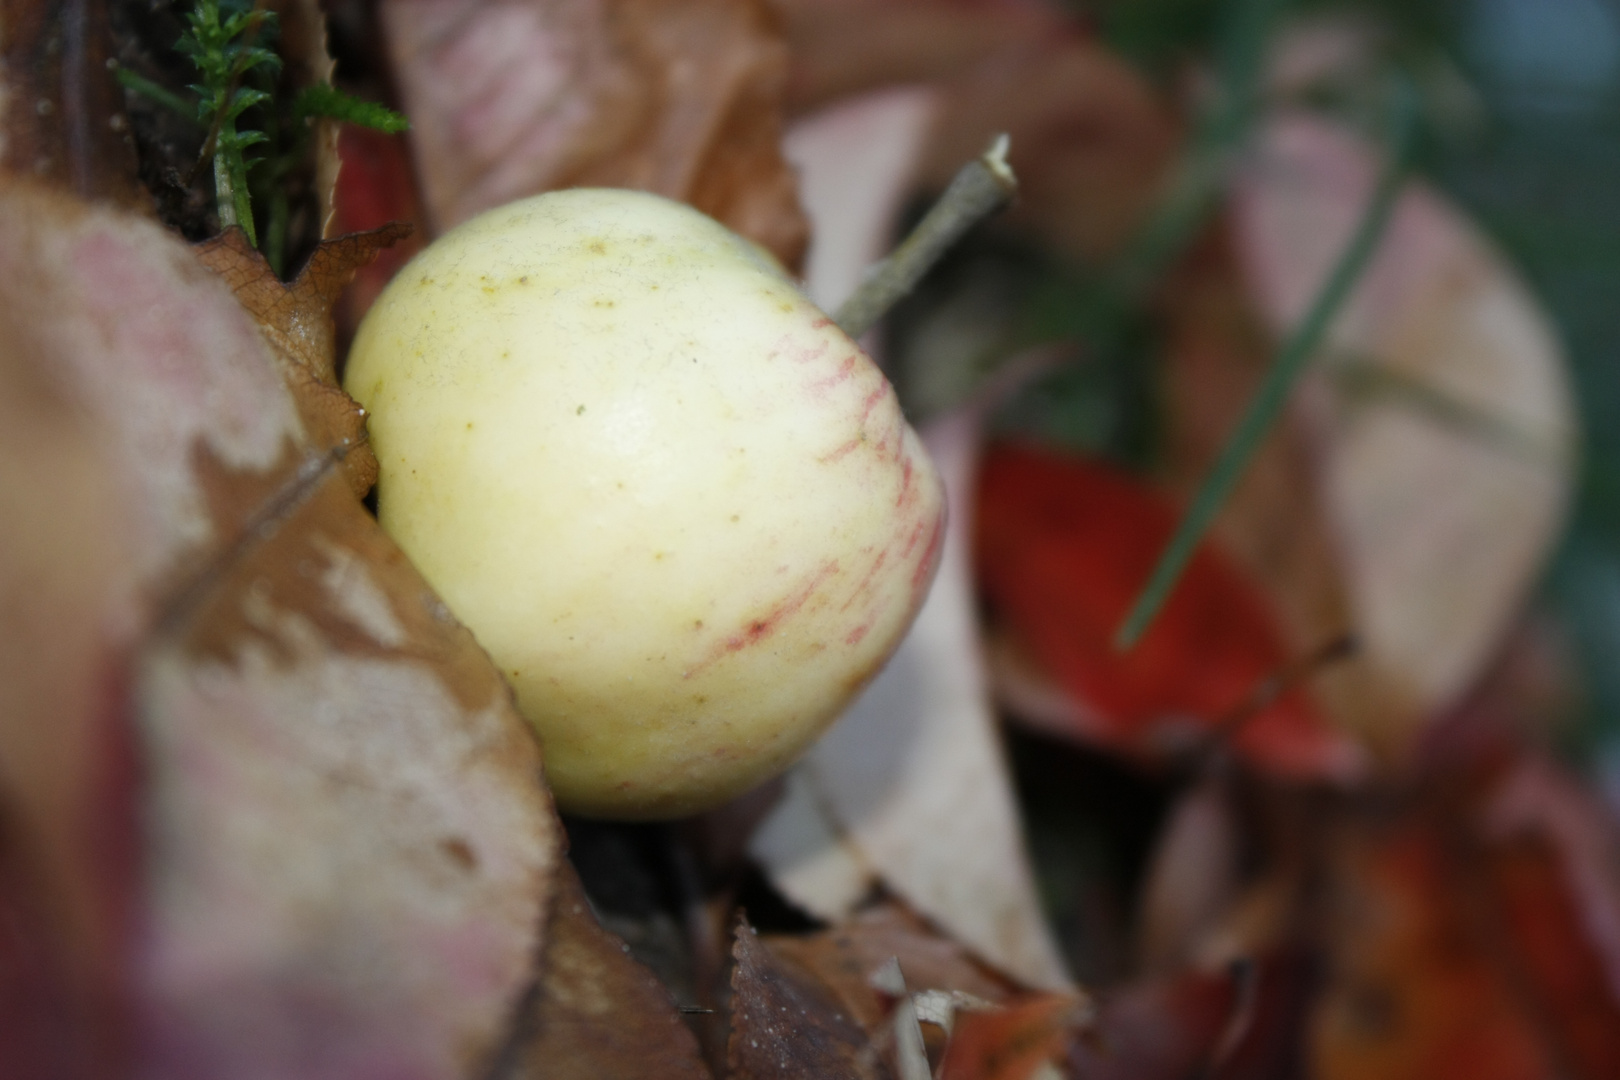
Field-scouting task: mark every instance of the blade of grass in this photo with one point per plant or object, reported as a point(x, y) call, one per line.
point(1291, 360)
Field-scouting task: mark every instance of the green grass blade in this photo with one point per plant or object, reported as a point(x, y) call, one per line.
point(1285, 370)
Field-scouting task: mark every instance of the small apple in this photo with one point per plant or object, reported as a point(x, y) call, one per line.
point(677, 505)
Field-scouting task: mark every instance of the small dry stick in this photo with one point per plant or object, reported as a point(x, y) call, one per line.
point(983, 186)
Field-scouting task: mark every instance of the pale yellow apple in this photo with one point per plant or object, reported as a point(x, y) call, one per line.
point(676, 504)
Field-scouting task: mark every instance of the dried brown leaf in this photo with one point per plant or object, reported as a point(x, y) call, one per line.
point(597, 1012)
point(297, 320)
point(345, 841)
point(845, 958)
point(512, 97)
point(785, 1027)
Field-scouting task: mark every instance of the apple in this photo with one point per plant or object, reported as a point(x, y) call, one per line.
point(677, 505)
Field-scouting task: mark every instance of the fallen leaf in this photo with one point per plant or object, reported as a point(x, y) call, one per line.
point(513, 97)
point(1439, 420)
point(375, 187)
point(1160, 1029)
point(344, 841)
point(1414, 986)
point(296, 319)
point(1192, 876)
point(596, 1012)
point(1062, 546)
point(1552, 864)
point(67, 762)
point(1010, 1042)
point(784, 1027)
point(845, 958)
point(911, 787)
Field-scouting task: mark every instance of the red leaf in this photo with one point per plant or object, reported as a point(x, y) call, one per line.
point(1063, 545)
point(375, 186)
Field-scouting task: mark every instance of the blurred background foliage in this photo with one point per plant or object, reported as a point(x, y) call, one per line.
point(1519, 125)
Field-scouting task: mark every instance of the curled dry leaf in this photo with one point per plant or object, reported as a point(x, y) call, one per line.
point(296, 319)
point(344, 842)
point(597, 1012)
point(786, 1027)
point(512, 97)
point(1439, 423)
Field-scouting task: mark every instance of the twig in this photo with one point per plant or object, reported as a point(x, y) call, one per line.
point(1296, 352)
point(983, 186)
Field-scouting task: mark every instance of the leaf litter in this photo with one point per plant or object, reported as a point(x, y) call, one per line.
point(267, 811)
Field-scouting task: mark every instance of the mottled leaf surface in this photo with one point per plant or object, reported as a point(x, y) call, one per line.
point(344, 840)
point(786, 1027)
point(513, 97)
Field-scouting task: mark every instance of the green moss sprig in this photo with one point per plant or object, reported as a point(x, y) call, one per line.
point(232, 45)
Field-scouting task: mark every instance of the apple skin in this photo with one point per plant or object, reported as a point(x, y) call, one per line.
point(678, 506)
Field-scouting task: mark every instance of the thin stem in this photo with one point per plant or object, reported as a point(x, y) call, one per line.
point(982, 186)
point(224, 193)
point(1296, 352)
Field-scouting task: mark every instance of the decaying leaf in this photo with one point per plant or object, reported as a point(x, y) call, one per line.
point(596, 1011)
point(1192, 876)
point(512, 97)
point(1163, 1029)
point(911, 786)
point(1439, 424)
point(1012, 1042)
point(785, 1027)
point(296, 319)
point(345, 843)
point(846, 957)
point(1416, 989)
point(1063, 545)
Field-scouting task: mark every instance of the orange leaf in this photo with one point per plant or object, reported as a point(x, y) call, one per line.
point(1009, 1043)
